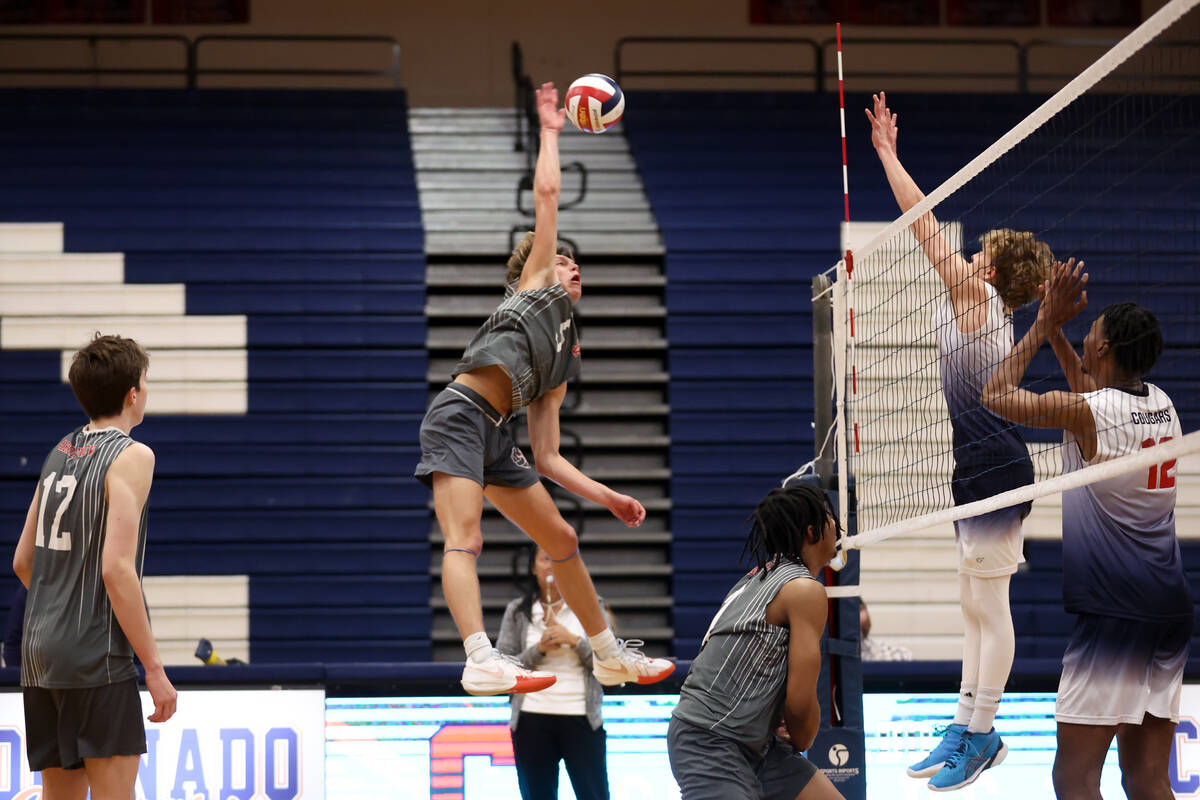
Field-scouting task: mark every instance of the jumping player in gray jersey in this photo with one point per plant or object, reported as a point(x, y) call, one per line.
point(1123, 574)
point(80, 555)
point(522, 357)
point(759, 662)
point(974, 334)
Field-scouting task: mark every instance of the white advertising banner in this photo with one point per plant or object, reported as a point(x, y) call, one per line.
point(220, 745)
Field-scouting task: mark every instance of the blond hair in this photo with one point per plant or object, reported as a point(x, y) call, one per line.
point(1021, 261)
point(520, 254)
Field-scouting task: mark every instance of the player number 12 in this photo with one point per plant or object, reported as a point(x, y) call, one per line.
point(1162, 476)
point(59, 539)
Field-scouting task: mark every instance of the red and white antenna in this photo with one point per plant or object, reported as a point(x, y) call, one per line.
point(846, 207)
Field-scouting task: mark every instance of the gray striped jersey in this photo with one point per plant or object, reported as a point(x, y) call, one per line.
point(532, 336)
point(738, 682)
point(71, 638)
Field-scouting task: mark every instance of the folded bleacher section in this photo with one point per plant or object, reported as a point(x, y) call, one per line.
point(293, 214)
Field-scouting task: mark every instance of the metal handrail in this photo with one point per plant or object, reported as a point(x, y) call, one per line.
point(393, 73)
point(621, 73)
point(92, 40)
point(1081, 41)
point(1021, 76)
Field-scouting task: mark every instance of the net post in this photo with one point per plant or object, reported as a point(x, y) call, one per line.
point(822, 379)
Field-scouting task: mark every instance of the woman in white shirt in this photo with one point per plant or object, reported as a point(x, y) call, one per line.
point(562, 722)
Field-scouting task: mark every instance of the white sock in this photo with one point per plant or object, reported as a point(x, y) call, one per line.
point(604, 644)
point(478, 646)
point(987, 703)
point(966, 704)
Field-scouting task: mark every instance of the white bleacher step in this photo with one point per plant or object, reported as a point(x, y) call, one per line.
point(592, 343)
point(932, 586)
point(904, 618)
point(61, 268)
point(572, 223)
point(855, 236)
point(482, 306)
point(653, 505)
point(471, 160)
point(91, 300)
point(648, 633)
point(63, 333)
point(588, 378)
point(502, 143)
point(597, 570)
point(505, 180)
point(503, 197)
point(197, 591)
point(904, 554)
point(627, 538)
point(932, 647)
point(198, 397)
point(496, 243)
point(188, 365)
point(31, 237)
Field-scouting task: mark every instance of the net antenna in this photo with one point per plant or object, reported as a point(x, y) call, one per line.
point(1105, 170)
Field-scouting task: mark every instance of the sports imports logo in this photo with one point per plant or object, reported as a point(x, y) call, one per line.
point(839, 755)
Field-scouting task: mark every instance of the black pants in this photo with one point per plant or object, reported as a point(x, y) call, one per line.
point(542, 740)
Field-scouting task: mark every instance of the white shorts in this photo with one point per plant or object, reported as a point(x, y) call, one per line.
point(990, 546)
point(1118, 670)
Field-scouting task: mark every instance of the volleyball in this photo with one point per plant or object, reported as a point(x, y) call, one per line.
point(595, 103)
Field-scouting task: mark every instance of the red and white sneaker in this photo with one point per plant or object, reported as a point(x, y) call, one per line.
point(631, 665)
point(501, 674)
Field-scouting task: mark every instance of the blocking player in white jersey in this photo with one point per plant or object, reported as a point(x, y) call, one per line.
point(974, 333)
point(1122, 570)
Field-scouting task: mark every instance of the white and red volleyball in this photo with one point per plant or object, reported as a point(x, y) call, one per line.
point(595, 103)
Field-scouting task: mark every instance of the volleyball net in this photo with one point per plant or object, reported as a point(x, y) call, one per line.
point(1106, 170)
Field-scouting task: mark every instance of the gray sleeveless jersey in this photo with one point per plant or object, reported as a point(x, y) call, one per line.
point(738, 682)
point(72, 640)
point(532, 336)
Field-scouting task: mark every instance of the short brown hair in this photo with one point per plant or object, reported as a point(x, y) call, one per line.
point(104, 371)
point(1022, 263)
point(516, 262)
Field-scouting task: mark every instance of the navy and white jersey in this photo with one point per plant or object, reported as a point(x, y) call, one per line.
point(738, 682)
point(72, 639)
point(532, 336)
point(1120, 554)
point(989, 454)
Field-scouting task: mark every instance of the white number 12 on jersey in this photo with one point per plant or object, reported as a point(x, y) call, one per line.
point(59, 539)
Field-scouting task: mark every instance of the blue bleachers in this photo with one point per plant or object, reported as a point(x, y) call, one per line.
point(299, 210)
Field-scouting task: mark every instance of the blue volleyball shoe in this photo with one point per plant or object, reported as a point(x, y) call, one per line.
point(928, 766)
point(977, 752)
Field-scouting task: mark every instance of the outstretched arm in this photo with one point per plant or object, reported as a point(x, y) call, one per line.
point(966, 287)
point(1072, 367)
point(1064, 296)
point(544, 438)
point(807, 604)
point(547, 186)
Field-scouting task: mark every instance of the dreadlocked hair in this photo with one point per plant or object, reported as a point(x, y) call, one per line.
point(779, 525)
point(1134, 336)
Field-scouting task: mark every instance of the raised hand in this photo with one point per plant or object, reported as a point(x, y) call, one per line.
point(551, 116)
point(1064, 293)
point(628, 510)
point(884, 128)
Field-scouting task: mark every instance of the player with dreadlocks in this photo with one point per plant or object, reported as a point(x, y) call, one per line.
point(759, 662)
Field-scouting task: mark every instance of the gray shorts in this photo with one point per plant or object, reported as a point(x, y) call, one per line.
point(463, 435)
point(708, 766)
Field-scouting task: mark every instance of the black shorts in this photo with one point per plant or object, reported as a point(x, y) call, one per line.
point(463, 435)
point(65, 726)
point(708, 766)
